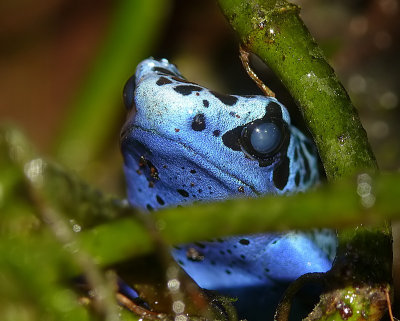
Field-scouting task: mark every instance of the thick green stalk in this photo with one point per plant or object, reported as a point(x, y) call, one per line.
point(273, 30)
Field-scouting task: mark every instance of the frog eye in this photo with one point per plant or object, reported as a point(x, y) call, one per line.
point(263, 138)
point(128, 92)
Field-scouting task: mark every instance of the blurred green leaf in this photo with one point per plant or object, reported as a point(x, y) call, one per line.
point(35, 265)
point(93, 119)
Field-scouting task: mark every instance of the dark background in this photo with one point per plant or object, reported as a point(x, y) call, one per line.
point(47, 49)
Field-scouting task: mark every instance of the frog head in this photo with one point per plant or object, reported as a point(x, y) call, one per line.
point(184, 143)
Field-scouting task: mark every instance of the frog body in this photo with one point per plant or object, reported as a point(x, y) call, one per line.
point(183, 143)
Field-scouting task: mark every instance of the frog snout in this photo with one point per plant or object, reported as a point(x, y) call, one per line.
point(129, 92)
point(129, 102)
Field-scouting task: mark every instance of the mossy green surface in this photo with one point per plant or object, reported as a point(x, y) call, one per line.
point(274, 31)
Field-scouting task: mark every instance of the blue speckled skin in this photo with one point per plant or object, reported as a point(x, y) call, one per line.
point(182, 143)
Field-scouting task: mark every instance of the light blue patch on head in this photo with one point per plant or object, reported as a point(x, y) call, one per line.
point(199, 142)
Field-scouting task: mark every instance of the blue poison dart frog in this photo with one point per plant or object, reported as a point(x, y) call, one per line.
point(183, 143)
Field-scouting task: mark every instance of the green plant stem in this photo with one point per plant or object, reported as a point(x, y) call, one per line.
point(205, 221)
point(273, 30)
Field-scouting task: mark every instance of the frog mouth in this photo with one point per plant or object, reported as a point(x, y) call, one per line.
point(128, 128)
